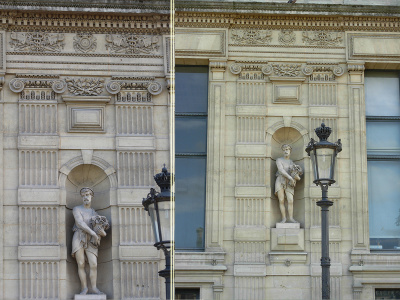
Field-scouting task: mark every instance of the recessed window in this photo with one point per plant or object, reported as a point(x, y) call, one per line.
point(383, 294)
point(382, 105)
point(191, 108)
point(187, 294)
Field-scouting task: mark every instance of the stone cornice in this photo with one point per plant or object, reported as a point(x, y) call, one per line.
point(96, 6)
point(285, 8)
point(292, 20)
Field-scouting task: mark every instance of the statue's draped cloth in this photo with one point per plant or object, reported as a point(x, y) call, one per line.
point(81, 239)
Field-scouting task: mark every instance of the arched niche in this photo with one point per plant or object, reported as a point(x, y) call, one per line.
point(100, 177)
point(295, 137)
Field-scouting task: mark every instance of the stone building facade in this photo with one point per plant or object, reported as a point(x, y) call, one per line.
point(275, 72)
point(85, 101)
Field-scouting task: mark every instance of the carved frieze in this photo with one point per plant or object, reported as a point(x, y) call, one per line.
point(85, 42)
point(132, 44)
point(251, 36)
point(37, 41)
point(287, 37)
point(322, 38)
point(251, 70)
point(85, 86)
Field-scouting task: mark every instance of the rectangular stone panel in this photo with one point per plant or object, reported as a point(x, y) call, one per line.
point(250, 129)
point(134, 120)
point(250, 287)
point(38, 225)
point(250, 252)
point(38, 168)
point(250, 171)
point(287, 94)
point(39, 280)
point(135, 228)
point(139, 279)
point(251, 233)
point(38, 118)
point(86, 119)
point(373, 47)
point(35, 196)
point(192, 42)
point(39, 252)
point(250, 212)
point(250, 270)
point(135, 169)
point(253, 191)
point(251, 150)
point(135, 142)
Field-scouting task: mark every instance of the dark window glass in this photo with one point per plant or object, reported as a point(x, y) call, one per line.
point(382, 100)
point(190, 156)
point(383, 294)
point(187, 294)
point(191, 89)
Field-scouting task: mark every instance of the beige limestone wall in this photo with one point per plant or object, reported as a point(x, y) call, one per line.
point(273, 79)
point(85, 101)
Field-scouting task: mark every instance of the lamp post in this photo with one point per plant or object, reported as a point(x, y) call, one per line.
point(158, 205)
point(323, 157)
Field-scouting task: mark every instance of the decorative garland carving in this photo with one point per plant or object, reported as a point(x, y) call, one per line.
point(287, 37)
point(85, 86)
point(251, 36)
point(85, 42)
point(131, 44)
point(289, 70)
point(37, 41)
point(17, 85)
point(322, 38)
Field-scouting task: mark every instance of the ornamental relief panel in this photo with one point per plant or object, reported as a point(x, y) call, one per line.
point(286, 37)
point(37, 41)
point(84, 43)
point(251, 36)
point(85, 86)
point(132, 44)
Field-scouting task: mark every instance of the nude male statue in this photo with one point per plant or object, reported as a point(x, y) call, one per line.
point(286, 177)
point(88, 229)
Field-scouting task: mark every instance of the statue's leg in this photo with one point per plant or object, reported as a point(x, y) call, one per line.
point(80, 260)
point(93, 271)
point(289, 197)
point(281, 197)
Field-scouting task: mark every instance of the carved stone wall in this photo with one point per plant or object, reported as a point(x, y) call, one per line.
point(286, 73)
point(82, 87)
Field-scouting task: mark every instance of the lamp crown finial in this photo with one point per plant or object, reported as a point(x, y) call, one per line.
point(323, 132)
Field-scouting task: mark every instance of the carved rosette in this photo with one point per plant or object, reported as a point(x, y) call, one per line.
point(85, 42)
point(286, 37)
point(37, 41)
point(132, 44)
point(17, 85)
point(322, 38)
point(85, 86)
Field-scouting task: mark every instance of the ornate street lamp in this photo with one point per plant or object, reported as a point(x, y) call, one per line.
point(159, 205)
point(323, 157)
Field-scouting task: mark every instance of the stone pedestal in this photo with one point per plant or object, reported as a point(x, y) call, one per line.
point(287, 237)
point(91, 297)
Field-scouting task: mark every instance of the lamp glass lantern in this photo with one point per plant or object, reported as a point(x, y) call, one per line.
point(323, 156)
point(158, 205)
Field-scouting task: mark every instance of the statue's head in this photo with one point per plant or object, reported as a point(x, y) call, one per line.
point(287, 149)
point(87, 195)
